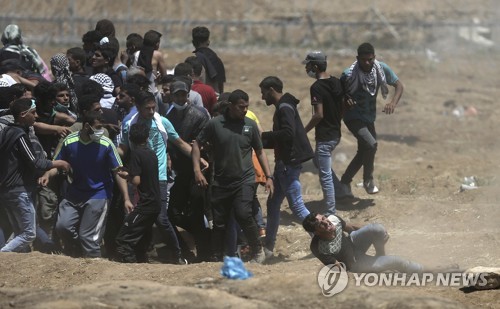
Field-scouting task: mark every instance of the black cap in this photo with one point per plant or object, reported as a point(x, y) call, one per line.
point(315, 56)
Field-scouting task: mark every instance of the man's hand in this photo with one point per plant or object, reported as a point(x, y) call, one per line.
point(44, 180)
point(389, 108)
point(63, 131)
point(349, 102)
point(269, 186)
point(128, 206)
point(204, 164)
point(200, 180)
point(123, 174)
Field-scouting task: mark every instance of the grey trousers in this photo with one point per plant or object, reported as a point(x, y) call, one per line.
point(81, 226)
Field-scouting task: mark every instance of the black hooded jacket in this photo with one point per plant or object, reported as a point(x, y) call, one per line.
point(288, 137)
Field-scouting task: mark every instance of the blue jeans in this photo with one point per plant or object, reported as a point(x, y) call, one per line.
point(375, 234)
point(286, 184)
point(22, 217)
point(323, 160)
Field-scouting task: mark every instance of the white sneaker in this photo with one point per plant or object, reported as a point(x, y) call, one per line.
point(370, 187)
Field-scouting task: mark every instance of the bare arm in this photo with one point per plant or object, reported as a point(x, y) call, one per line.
point(316, 117)
point(391, 106)
point(199, 178)
point(64, 119)
point(161, 63)
point(184, 147)
point(261, 155)
point(122, 185)
point(47, 129)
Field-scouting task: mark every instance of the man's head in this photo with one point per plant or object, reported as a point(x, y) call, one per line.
point(89, 103)
point(315, 63)
point(152, 39)
point(271, 89)
point(183, 69)
point(45, 96)
point(366, 57)
point(129, 93)
point(105, 27)
point(146, 105)
point(134, 43)
point(201, 36)
point(90, 40)
point(238, 106)
point(140, 80)
point(165, 82)
point(24, 111)
point(76, 58)
point(319, 225)
point(92, 125)
point(104, 56)
point(196, 64)
point(62, 93)
point(11, 66)
point(139, 133)
point(179, 92)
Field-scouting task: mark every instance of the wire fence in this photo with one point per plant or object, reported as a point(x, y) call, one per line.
point(265, 23)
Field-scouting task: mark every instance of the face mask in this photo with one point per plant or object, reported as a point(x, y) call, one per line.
point(311, 74)
point(61, 108)
point(96, 135)
point(180, 107)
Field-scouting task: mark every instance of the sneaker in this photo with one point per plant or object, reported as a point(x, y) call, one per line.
point(268, 253)
point(181, 261)
point(343, 191)
point(259, 257)
point(370, 187)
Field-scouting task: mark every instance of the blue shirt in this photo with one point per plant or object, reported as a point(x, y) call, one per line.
point(366, 104)
point(92, 164)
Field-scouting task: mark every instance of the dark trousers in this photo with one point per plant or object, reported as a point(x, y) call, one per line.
point(365, 155)
point(186, 210)
point(164, 224)
point(240, 201)
point(134, 237)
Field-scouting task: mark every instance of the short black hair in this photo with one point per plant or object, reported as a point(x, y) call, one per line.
point(135, 39)
point(140, 80)
point(85, 102)
point(44, 92)
point(237, 95)
point(139, 133)
point(200, 35)
point(58, 87)
point(151, 38)
point(132, 90)
point(92, 37)
point(17, 90)
point(19, 106)
point(90, 86)
point(272, 82)
point(108, 51)
point(196, 64)
point(105, 27)
point(366, 49)
point(145, 97)
point(91, 118)
point(165, 79)
point(183, 69)
point(77, 53)
point(310, 222)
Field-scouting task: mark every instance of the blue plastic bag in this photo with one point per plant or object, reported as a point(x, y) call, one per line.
point(233, 268)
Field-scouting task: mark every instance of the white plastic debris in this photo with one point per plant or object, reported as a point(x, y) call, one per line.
point(469, 183)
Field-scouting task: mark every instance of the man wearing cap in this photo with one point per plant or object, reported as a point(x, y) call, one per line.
point(326, 99)
point(362, 82)
point(186, 203)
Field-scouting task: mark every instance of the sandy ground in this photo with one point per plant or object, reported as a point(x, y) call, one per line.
point(424, 153)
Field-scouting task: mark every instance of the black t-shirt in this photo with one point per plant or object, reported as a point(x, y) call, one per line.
point(144, 163)
point(328, 92)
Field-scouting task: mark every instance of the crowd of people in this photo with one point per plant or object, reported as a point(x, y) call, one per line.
point(102, 145)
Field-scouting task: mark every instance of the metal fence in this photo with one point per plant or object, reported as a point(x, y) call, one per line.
point(265, 23)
